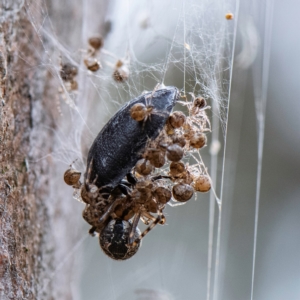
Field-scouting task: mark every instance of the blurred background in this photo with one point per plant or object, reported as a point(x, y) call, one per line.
point(243, 243)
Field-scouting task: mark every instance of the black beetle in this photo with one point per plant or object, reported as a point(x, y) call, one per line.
point(122, 141)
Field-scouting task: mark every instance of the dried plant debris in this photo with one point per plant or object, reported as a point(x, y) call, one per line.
point(136, 165)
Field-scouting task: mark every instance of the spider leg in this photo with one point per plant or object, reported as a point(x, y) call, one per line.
point(193, 96)
point(152, 94)
point(148, 229)
point(105, 195)
point(148, 100)
point(155, 89)
point(160, 113)
point(150, 217)
point(108, 212)
point(146, 222)
point(135, 223)
point(157, 177)
point(73, 162)
point(176, 204)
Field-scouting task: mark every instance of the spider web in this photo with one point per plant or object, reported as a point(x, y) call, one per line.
point(188, 44)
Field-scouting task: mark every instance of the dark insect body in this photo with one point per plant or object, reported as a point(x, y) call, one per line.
point(115, 151)
point(124, 181)
point(122, 141)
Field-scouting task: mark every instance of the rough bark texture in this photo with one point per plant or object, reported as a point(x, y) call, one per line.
point(27, 217)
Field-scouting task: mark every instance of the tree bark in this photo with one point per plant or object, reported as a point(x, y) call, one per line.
point(29, 218)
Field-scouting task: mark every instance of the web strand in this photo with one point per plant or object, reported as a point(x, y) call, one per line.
point(220, 202)
point(261, 100)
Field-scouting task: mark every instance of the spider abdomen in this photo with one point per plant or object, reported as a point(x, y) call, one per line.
point(114, 239)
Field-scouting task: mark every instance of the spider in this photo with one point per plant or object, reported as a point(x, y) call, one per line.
point(115, 216)
point(119, 235)
point(196, 124)
point(96, 43)
point(197, 113)
point(121, 68)
point(90, 60)
point(121, 239)
point(143, 111)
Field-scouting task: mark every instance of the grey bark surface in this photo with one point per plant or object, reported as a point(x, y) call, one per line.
point(33, 239)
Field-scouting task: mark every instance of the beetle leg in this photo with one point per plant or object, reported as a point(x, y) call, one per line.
point(92, 231)
point(131, 178)
point(94, 181)
point(123, 189)
point(87, 179)
point(125, 182)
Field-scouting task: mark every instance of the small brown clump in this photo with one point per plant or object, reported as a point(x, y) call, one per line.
point(187, 178)
point(202, 183)
point(182, 192)
point(177, 168)
point(142, 192)
point(177, 119)
point(198, 140)
point(68, 72)
point(96, 42)
point(162, 194)
point(174, 152)
point(123, 213)
point(138, 112)
point(156, 157)
point(199, 102)
point(92, 64)
point(121, 72)
point(119, 64)
point(120, 75)
point(72, 176)
point(143, 167)
point(151, 206)
point(229, 16)
point(179, 139)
